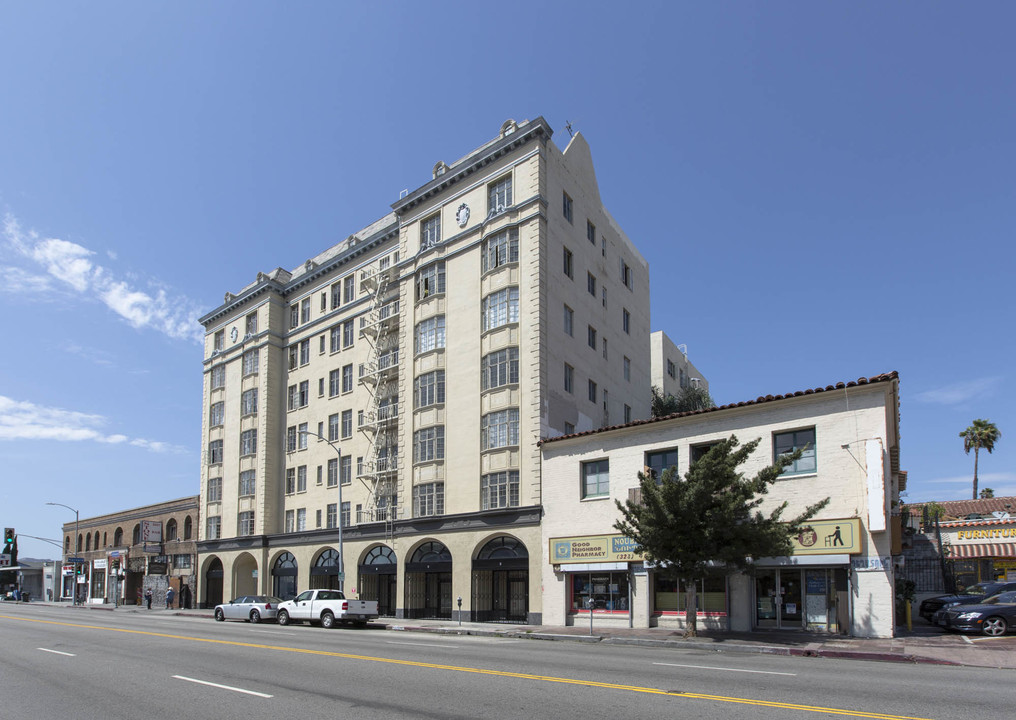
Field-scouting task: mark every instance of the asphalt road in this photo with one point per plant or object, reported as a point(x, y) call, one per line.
point(61, 662)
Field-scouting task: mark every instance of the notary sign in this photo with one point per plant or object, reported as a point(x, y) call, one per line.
point(828, 537)
point(594, 548)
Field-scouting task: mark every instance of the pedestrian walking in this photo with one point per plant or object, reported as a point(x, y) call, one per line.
point(169, 598)
point(148, 598)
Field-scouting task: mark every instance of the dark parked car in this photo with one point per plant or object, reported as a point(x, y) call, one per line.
point(995, 616)
point(973, 594)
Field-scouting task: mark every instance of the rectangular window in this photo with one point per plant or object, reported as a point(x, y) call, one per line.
point(595, 478)
point(499, 195)
point(428, 444)
point(294, 356)
point(627, 414)
point(429, 389)
point(290, 481)
point(347, 378)
point(347, 334)
point(214, 490)
point(566, 206)
point(430, 232)
point(182, 561)
point(428, 499)
point(301, 436)
point(220, 341)
point(218, 377)
point(333, 472)
point(603, 294)
point(626, 365)
point(592, 391)
point(249, 402)
point(591, 336)
point(248, 442)
point(248, 483)
point(333, 427)
point(569, 378)
point(430, 281)
point(301, 519)
point(213, 528)
point(788, 442)
point(604, 343)
point(569, 263)
point(569, 428)
point(499, 490)
point(290, 520)
point(321, 345)
point(301, 479)
point(250, 362)
point(659, 460)
point(346, 470)
point(626, 276)
point(672, 597)
point(335, 338)
point(430, 334)
point(318, 518)
point(349, 289)
point(590, 232)
point(347, 423)
point(336, 291)
point(304, 352)
point(697, 452)
point(291, 438)
point(606, 592)
point(671, 368)
point(591, 283)
point(215, 452)
point(305, 310)
point(500, 368)
point(245, 523)
point(345, 514)
point(500, 249)
point(626, 321)
point(334, 382)
point(330, 515)
point(216, 413)
point(569, 320)
point(499, 429)
point(499, 308)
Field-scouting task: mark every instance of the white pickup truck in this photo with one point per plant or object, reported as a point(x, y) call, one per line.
point(328, 607)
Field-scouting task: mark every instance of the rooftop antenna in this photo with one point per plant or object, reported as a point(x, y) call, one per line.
point(567, 126)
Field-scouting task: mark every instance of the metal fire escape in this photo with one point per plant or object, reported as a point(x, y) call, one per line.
point(380, 375)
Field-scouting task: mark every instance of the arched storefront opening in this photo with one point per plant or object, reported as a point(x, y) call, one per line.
point(213, 583)
point(325, 573)
point(429, 582)
point(284, 576)
point(118, 537)
point(245, 575)
point(501, 582)
point(379, 579)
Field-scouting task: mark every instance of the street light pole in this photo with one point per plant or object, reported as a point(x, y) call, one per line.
point(338, 478)
point(74, 585)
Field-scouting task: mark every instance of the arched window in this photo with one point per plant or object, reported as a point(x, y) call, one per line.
point(171, 529)
point(104, 543)
point(284, 576)
point(79, 544)
point(503, 547)
point(118, 537)
point(96, 543)
point(431, 552)
point(187, 528)
point(67, 544)
point(88, 542)
point(136, 535)
point(381, 555)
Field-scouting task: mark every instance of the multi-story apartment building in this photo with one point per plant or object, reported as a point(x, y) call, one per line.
point(396, 387)
point(672, 371)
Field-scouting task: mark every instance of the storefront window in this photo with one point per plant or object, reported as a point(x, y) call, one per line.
point(711, 596)
point(608, 590)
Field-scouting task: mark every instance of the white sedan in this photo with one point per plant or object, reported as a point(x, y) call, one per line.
point(252, 608)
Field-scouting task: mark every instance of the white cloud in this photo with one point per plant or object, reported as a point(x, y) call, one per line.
point(73, 266)
point(21, 420)
point(959, 392)
point(19, 281)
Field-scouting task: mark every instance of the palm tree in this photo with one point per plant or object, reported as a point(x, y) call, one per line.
point(982, 434)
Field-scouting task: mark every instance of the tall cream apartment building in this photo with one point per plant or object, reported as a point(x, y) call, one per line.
point(411, 371)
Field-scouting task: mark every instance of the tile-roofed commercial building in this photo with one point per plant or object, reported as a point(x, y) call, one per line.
point(840, 576)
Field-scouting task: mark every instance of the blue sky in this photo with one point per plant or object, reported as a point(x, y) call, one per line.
point(823, 191)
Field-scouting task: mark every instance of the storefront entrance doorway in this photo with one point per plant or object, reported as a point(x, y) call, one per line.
point(800, 598)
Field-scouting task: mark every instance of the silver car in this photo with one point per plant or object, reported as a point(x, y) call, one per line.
point(253, 608)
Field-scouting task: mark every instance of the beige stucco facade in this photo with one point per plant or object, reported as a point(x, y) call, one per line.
point(430, 350)
point(672, 371)
point(845, 588)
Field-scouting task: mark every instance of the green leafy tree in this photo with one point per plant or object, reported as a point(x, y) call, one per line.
point(987, 493)
point(687, 399)
point(709, 521)
point(981, 435)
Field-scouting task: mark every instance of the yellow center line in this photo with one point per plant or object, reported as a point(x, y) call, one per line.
point(482, 671)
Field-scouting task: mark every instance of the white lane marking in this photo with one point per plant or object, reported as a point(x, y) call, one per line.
point(708, 667)
point(968, 640)
point(440, 645)
point(56, 652)
point(223, 687)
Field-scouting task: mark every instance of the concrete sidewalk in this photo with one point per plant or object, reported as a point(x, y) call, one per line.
point(924, 644)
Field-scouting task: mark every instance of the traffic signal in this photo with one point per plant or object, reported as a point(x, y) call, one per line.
point(8, 536)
